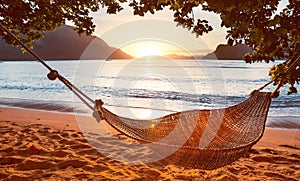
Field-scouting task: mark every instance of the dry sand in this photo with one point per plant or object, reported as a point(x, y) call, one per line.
point(39, 145)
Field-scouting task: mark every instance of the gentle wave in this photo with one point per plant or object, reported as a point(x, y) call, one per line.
point(59, 106)
point(209, 100)
point(34, 88)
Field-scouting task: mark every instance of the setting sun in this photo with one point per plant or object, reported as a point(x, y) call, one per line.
point(143, 48)
point(147, 49)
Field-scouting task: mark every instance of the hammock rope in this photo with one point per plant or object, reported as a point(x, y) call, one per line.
point(209, 138)
point(293, 65)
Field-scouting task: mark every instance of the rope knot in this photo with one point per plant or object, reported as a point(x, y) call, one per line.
point(98, 112)
point(252, 93)
point(52, 75)
point(275, 94)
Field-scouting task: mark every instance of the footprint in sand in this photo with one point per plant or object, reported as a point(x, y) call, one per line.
point(11, 160)
point(71, 163)
point(62, 153)
point(34, 164)
point(44, 131)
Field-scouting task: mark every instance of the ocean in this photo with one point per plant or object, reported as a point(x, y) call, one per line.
point(144, 88)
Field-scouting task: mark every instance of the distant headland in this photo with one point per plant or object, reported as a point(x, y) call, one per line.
point(228, 52)
point(64, 44)
point(222, 52)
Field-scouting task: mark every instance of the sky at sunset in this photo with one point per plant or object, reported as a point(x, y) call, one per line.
point(157, 34)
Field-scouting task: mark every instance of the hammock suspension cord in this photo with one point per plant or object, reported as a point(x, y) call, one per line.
point(275, 94)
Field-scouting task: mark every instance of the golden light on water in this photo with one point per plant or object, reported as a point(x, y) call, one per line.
point(141, 114)
point(151, 82)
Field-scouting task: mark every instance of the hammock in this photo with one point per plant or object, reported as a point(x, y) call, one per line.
point(206, 139)
point(214, 138)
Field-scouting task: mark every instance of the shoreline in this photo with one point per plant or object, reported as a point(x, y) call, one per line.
point(51, 146)
point(273, 121)
point(35, 116)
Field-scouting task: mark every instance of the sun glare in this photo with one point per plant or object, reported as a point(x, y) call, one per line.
point(145, 48)
point(149, 48)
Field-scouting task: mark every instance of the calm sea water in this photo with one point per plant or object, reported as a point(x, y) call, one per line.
point(143, 88)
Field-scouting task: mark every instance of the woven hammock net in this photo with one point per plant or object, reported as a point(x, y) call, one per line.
point(205, 139)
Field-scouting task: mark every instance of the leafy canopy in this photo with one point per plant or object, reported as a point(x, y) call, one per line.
point(272, 36)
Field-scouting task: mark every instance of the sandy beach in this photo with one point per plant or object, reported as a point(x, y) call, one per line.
point(40, 145)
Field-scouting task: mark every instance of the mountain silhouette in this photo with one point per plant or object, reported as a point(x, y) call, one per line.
point(228, 52)
point(64, 44)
